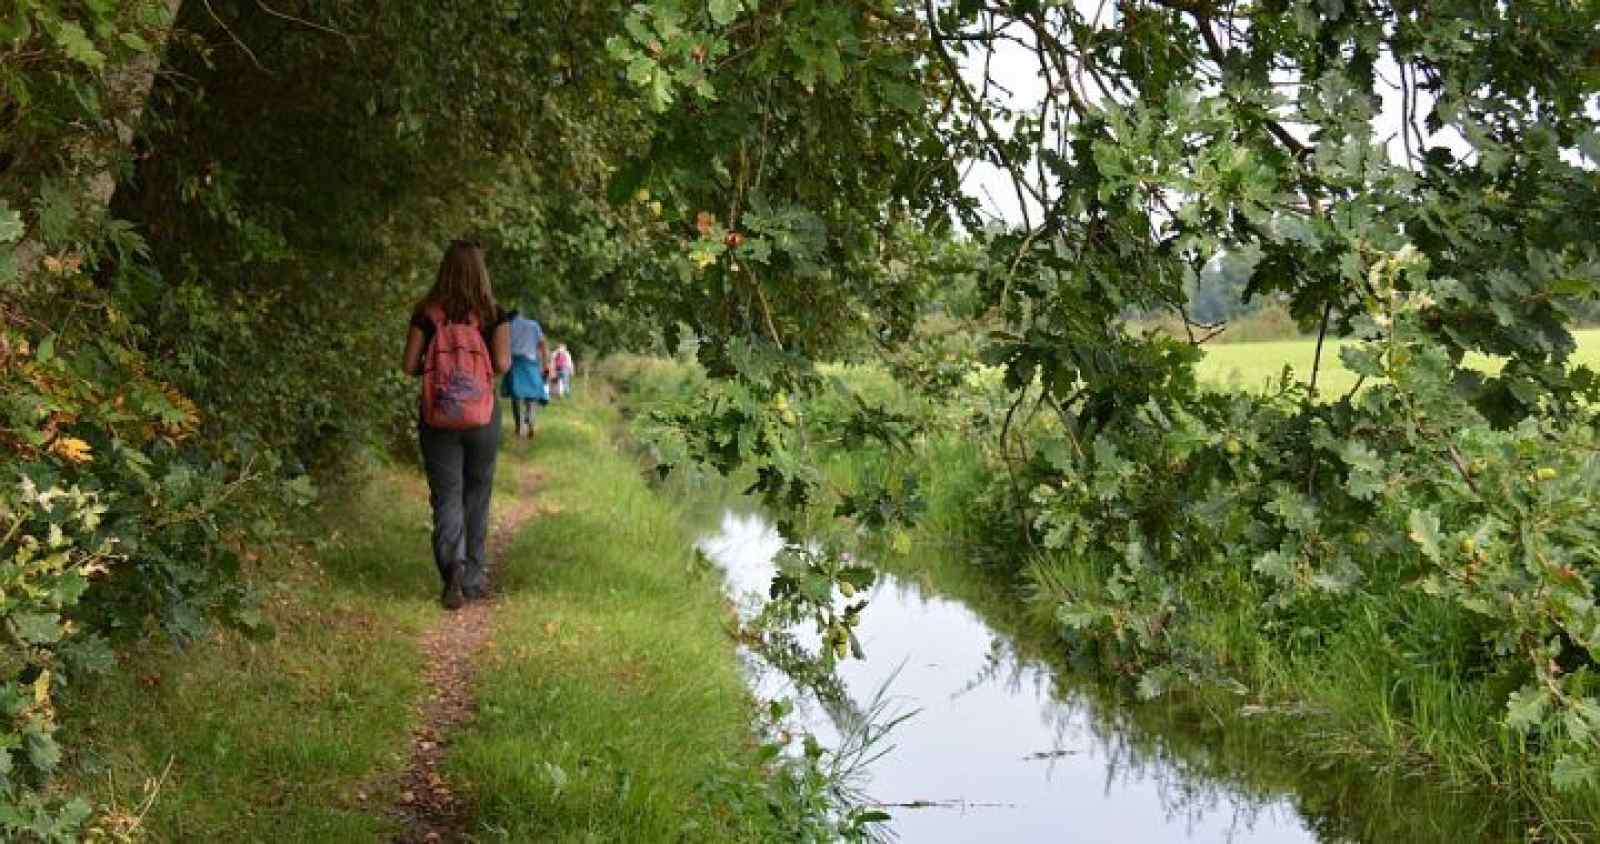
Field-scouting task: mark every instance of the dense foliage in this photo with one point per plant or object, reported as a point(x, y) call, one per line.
point(178, 360)
point(780, 182)
point(1250, 145)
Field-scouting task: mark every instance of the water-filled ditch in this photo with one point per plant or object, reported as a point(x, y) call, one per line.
point(1006, 747)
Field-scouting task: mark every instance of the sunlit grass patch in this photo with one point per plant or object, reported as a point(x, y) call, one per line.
point(1256, 366)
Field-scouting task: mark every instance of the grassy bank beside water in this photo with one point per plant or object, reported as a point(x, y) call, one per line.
point(610, 702)
point(1377, 704)
point(1375, 717)
point(1201, 734)
point(1376, 725)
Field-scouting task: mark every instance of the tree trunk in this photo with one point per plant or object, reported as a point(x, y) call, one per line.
point(127, 90)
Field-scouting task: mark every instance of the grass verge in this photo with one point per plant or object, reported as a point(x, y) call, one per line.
point(611, 702)
point(611, 706)
point(234, 739)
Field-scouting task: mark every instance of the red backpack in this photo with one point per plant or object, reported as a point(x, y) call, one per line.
point(457, 377)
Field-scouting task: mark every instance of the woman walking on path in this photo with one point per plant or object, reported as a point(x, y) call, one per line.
point(563, 366)
point(530, 368)
point(457, 342)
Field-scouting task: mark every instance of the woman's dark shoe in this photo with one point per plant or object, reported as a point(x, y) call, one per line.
point(474, 583)
point(452, 597)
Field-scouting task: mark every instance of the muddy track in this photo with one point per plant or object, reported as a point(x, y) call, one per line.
point(427, 807)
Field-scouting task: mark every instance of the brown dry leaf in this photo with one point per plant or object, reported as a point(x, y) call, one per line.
point(72, 450)
point(705, 221)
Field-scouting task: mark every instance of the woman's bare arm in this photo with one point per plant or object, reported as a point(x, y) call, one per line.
point(501, 353)
point(411, 363)
point(544, 358)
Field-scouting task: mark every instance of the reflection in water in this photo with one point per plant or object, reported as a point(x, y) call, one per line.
point(1000, 750)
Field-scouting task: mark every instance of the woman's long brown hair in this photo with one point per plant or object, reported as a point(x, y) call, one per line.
point(462, 287)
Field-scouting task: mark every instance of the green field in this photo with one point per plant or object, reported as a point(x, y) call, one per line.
point(1252, 366)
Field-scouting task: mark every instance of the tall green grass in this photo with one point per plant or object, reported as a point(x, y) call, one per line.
point(611, 704)
point(236, 739)
point(612, 707)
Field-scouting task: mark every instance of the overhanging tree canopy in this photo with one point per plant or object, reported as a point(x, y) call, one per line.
point(783, 178)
